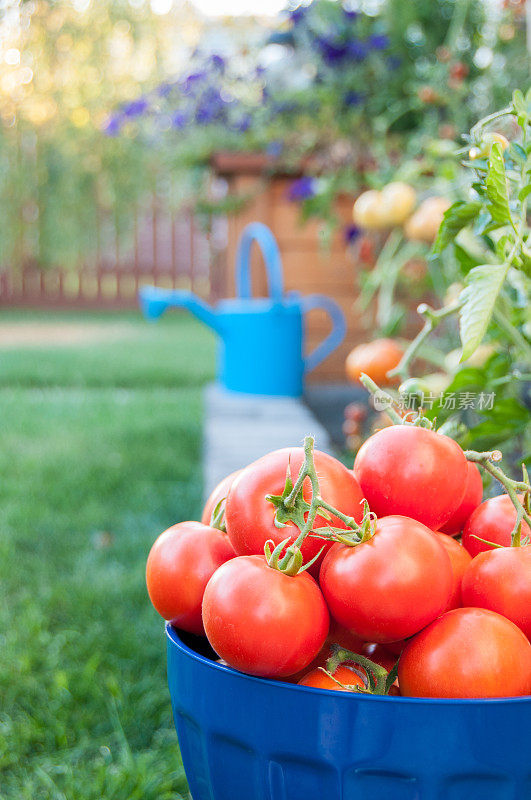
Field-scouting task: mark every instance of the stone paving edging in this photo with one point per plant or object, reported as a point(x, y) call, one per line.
point(238, 429)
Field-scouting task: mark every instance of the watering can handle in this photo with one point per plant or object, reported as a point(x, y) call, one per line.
point(259, 233)
point(334, 338)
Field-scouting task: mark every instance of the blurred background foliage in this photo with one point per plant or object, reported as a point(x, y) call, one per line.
point(102, 103)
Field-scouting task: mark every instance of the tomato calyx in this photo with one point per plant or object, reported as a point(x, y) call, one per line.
point(290, 506)
point(377, 679)
point(217, 518)
point(291, 563)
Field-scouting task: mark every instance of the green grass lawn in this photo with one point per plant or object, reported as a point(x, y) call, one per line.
point(100, 452)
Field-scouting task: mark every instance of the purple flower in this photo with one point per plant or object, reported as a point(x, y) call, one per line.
point(352, 15)
point(218, 62)
point(210, 106)
point(379, 41)
point(357, 50)
point(283, 107)
point(189, 84)
point(274, 148)
point(351, 233)
point(136, 107)
point(113, 125)
point(165, 89)
point(352, 98)
point(204, 115)
point(302, 189)
point(331, 51)
point(298, 14)
point(179, 120)
point(243, 124)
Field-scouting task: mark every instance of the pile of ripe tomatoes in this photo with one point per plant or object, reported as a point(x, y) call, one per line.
point(380, 596)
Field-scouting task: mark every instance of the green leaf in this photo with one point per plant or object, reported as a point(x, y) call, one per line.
point(525, 192)
point(518, 152)
point(479, 296)
point(497, 187)
point(466, 261)
point(518, 101)
point(503, 246)
point(458, 216)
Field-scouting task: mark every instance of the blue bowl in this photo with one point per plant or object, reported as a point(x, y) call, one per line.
point(245, 738)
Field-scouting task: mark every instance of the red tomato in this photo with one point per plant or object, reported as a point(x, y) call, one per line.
point(379, 654)
point(391, 586)
point(395, 647)
point(336, 635)
point(493, 521)
point(459, 559)
point(471, 500)
point(468, 652)
point(500, 579)
point(249, 516)
point(261, 621)
point(343, 637)
point(217, 494)
point(320, 680)
point(179, 566)
point(412, 471)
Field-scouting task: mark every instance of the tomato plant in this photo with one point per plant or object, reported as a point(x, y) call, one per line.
point(468, 652)
point(179, 566)
point(480, 270)
point(390, 586)
point(500, 580)
point(492, 521)
point(250, 516)
point(414, 472)
point(471, 500)
point(262, 621)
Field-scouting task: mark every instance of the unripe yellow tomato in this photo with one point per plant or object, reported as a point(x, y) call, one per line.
point(398, 201)
point(452, 293)
point(367, 211)
point(481, 355)
point(496, 138)
point(485, 146)
point(478, 358)
point(426, 221)
point(437, 382)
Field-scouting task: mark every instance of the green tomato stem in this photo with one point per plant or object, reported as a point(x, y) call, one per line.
point(291, 562)
point(432, 318)
point(378, 678)
point(512, 487)
point(374, 389)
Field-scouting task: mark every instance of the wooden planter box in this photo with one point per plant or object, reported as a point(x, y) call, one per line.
point(309, 265)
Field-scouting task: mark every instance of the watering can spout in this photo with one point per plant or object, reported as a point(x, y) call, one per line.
point(154, 302)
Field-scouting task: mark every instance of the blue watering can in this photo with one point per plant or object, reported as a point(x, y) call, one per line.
point(261, 340)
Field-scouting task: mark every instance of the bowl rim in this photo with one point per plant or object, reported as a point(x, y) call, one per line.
point(173, 636)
